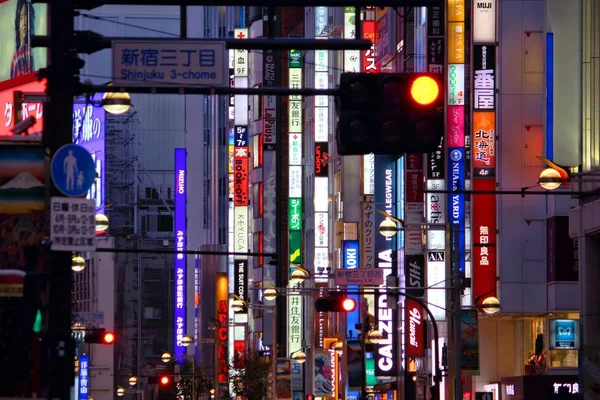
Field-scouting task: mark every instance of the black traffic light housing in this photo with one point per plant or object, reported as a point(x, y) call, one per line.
point(98, 336)
point(335, 302)
point(379, 114)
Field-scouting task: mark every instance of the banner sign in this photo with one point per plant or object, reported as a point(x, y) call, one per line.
point(84, 376)
point(484, 80)
point(484, 21)
point(386, 259)
point(179, 280)
point(456, 206)
point(484, 144)
point(415, 329)
point(484, 240)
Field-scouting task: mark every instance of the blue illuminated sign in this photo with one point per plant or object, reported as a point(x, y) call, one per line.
point(456, 203)
point(84, 369)
point(564, 334)
point(180, 258)
point(89, 133)
point(190, 62)
point(351, 260)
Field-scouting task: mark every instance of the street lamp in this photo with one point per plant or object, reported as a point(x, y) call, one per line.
point(298, 356)
point(490, 306)
point(298, 275)
point(187, 340)
point(133, 380)
point(116, 102)
point(101, 224)
point(166, 357)
point(550, 179)
point(77, 263)
point(120, 391)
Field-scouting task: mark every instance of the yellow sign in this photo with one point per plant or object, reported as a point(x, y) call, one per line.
point(456, 10)
point(456, 42)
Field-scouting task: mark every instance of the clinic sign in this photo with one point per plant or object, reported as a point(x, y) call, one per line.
point(162, 63)
point(180, 291)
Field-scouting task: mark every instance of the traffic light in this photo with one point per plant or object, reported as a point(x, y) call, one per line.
point(99, 336)
point(165, 380)
point(391, 113)
point(335, 302)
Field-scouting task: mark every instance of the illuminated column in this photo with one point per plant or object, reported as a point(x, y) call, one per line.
point(484, 149)
point(179, 314)
point(240, 196)
point(294, 302)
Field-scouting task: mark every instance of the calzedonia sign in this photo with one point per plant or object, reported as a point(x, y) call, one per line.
point(386, 260)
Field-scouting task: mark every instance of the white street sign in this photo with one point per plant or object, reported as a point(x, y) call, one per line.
point(169, 63)
point(360, 277)
point(72, 224)
point(89, 318)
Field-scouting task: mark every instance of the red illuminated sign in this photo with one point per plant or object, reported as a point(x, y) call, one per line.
point(240, 176)
point(321, 154)
point(369, 56)
point(484, 240)
point(222, 357)
point(415, 332)
point(28, 110)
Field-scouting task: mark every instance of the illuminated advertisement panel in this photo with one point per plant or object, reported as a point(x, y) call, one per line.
point(240, 274)
point(368, 174)
point(456, 42)
point(221, 337)
point(295, 214)
point(456, 85)
point(456, 205)
point(321, 155)
point(89, 132)
point(240, 167)
point(484, 240)
point(369, 60)
point(436, 276)
point(84, 376)
point(484, 144)
point(456, 126)
point(351, 260)
point(7, 116)
point(484, 77)
point(19, 21)
point(295, 149)
point(415, 330)
point(240, 229)
point(385, 193)
point(179, 315)
point(456, 10)
point(484, 21)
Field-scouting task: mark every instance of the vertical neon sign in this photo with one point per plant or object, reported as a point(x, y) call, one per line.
point(180, 259)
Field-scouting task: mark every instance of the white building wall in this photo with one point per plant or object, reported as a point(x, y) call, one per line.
point(521, 221)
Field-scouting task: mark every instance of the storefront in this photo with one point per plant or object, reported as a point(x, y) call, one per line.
point(530, 387)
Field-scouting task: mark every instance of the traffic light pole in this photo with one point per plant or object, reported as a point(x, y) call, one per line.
point(58, 113)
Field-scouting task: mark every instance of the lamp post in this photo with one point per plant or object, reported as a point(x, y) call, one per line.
point(166, 357)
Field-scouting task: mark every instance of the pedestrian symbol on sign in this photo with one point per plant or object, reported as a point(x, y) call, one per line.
point(73, 170)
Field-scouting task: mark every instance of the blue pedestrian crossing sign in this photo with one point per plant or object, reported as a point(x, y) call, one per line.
point(73, 170)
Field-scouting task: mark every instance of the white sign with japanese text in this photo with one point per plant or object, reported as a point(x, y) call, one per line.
point(360, 276)
point(72, 224)
point(159, 63)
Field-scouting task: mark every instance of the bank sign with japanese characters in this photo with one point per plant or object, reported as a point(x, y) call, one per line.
point(159, 63)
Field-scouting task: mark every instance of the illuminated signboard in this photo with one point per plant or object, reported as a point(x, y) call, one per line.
point(386, 254)
point(84, 377)
point(89, 132)
point(484, 21)
point(295, 149)
point(436, 276)
point(28, 109)
point(456, 206)
point(415, 330)
point(240, 274)
point(19, 57)
point(369, 57)
point(564, 334)
point(240, 232)
point(456, 42)
point(484, 80)
point(484, 144)
point(351, 260)
point(240, 166)
point(456, 126)
point(351, 57)
point(221, 335)
point(295, 214)
point(179, 315)
point(456, 84)
point(367, 234)
point(484, 240)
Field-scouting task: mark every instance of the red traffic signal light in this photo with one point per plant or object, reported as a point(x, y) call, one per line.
point(424, 90)
point(99, 336)
point(390, 113)
point(335, 302)
point(165, 380)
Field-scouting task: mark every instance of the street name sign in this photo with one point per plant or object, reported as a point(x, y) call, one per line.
point(360, 277)
point(170, 63)
point(72, 224)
